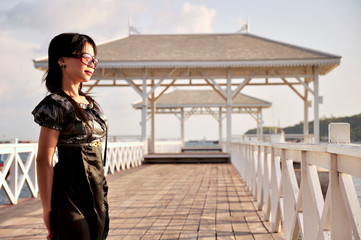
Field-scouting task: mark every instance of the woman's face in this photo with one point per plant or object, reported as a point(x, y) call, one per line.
point(76, 71)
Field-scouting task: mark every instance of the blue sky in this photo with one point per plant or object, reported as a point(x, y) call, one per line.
point(27, 26)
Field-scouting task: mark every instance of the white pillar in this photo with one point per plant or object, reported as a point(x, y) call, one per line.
point(257, 129)
point(229, 111)
point(152, 142)
point(261, 123)
point(220, 126)
point(316, 121)
point(182, 125)
point(152, 147)
point(144, 110)
point(306, 130)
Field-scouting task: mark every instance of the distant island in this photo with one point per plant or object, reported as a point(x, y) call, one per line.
point(354, 121)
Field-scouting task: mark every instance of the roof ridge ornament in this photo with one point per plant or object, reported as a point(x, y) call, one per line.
point(245, 27)
point(132, 29)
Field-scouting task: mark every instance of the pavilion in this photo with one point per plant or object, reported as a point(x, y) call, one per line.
point(227, 63)
point(185, 103)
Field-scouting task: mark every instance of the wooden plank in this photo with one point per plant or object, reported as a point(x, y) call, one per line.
point(167, 201)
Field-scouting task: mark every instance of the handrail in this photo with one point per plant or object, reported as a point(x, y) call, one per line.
point(123, 155)
point(20, 165)
point(284, 181)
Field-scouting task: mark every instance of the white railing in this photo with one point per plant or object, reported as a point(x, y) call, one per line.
point(124, 155)
point(19, 168)
point(20, 165)
point(298, 207)
point(168, 146)
point(275, 138)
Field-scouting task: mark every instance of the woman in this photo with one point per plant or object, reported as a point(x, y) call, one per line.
point(73, 193)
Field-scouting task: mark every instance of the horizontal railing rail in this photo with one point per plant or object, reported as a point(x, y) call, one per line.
point(275, 137)
point(286, 182)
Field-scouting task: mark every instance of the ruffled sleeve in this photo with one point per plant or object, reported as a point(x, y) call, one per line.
point(50, 113)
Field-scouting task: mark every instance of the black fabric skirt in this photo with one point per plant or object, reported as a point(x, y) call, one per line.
point(79, 197)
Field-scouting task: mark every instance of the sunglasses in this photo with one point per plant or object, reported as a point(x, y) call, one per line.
point(86, 59)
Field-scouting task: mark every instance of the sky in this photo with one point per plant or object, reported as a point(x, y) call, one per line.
point(27, 26)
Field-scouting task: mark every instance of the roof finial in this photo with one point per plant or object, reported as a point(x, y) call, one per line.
point(132, 29)
point(248, 25)
point(245, 27)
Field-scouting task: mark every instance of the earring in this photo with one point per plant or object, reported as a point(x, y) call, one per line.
point(63, 66)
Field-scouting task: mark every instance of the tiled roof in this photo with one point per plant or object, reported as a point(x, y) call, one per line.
point(202, 47)
point(204, 98)
point(205, 51)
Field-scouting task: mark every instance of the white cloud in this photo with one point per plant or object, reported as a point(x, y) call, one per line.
point(17, 71)
point(195, 19)
point(103, 19)
point(189, 19)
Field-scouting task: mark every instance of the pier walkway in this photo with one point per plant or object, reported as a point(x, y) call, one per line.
point(163, 201)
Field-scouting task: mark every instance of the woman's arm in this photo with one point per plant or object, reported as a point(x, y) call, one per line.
point(47, 143)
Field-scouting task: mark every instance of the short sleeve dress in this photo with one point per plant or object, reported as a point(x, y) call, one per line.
point(79, 197)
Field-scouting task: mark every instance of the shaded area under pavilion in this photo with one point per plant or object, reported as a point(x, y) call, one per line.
point(186, 103)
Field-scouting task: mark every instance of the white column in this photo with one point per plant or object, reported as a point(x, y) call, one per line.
point(182, 125)
point(152, 143)
point(257, 120)
point(306, 130)
point(152, 147)
point(316, 121)
point(260, 123)
point(229, 111)
point(220, 126)
point(144, 110)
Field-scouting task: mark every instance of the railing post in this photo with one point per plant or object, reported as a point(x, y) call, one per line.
point(340, 226)
point(267, 184)
point(260, 176)
point(244, 162)
point(283, 193)
point(248, 166)
point(275, 192)
point(254, 162)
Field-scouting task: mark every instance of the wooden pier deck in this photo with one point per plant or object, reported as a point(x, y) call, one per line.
point(162, 201)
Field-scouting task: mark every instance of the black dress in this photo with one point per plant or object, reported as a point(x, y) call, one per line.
point(79, 197)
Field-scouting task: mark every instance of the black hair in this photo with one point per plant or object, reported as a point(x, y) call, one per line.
point(64, 45)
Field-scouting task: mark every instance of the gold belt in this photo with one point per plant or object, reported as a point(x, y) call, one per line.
point(92, 144)
point(95, 144)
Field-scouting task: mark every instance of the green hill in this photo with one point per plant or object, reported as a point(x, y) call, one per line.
point(354, 121)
